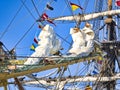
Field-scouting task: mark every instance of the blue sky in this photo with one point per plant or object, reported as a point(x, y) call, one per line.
point(23, 21)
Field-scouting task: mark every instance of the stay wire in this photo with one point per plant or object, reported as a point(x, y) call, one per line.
point(35, 8)
point(63, 39)
point(12, 21)
point(102, 74)
point(24, 35)
point(58, 80)
point(40, 82)
point(68, 5)
point(28, 9)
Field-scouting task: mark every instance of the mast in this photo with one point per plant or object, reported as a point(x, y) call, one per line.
point(109, 70)
point(111, 37)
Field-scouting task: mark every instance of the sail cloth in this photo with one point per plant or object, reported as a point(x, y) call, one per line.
point(48, 45)
point(83, 43)
point(78, 40)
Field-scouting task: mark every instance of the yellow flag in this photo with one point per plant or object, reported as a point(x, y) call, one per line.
point(75, 6)
point(32, 47)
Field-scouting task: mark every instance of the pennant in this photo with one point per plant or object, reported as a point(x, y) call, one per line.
point(117, 2)
point(75, 6)
point(49, 7)
point(32, 48)
point(39, 26)
point(36, 40)
point(44, 16)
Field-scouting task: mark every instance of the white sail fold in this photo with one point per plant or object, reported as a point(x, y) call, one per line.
point(83, 43)
point(48, 45)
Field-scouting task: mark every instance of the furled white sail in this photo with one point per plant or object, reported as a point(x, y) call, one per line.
point(83, 43)
point(87, 16)
point(47, 45)
point(89, 39)
point(78, 40)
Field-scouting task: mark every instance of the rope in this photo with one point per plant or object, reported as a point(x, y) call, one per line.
point(63, 39)
point(40, 82)
point(35, 8)
point(24, 35)
point(67, 2)
point(59, 77)
point(12, 20)
point(28, 9)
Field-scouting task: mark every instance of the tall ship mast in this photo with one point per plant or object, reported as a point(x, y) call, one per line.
point(63, 45)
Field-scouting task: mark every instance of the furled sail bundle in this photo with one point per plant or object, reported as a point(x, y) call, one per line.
point(47, 45)
point(83, 43)
point(89, 37)
point(78, 40)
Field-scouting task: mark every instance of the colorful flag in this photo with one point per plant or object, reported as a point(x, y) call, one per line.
point(49, 7)
point(32, 48)
point(117, 2)
point(75, 6)
point(44, 16)
point(36, 40)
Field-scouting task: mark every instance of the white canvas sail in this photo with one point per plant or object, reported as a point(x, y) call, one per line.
point(47, 45)
point(83, 43)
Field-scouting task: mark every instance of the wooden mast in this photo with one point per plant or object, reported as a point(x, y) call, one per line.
point(110, 69)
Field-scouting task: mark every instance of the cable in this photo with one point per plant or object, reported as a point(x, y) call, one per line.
point(12, 21)
point(67, 2)
point(35, 8)
point(63, 39)
point(28, 10)
point(24, 34)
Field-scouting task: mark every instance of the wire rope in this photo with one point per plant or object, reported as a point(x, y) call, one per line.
point(28, 9)
point(12, 20)
point(35, 8)
point(24, 34)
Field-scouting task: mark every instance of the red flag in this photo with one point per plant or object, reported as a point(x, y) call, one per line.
point(117, 2)
point(44, 16)
point(35, 40)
